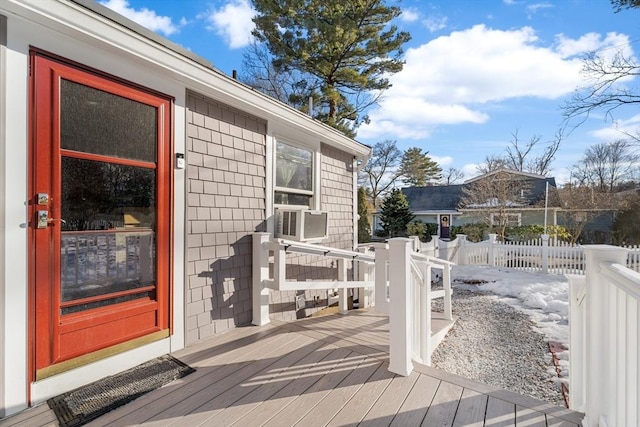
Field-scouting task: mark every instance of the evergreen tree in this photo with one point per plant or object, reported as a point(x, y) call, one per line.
point(345, 50)
point(364, 226)
point(418, 169)
point(395, 214)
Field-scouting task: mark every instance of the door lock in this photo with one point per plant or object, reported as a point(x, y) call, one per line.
point(42, 219)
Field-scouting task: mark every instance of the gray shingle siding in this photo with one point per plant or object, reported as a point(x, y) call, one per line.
point(226, 200)
point(226, 177)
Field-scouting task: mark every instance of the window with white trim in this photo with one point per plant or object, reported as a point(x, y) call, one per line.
point(511, 219)
point(294, 180)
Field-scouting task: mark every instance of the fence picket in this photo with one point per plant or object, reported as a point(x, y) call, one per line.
point(561, 257)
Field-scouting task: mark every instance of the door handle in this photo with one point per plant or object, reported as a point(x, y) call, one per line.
point(43, 220)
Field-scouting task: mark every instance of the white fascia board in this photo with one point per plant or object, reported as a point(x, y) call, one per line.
point(86, 26)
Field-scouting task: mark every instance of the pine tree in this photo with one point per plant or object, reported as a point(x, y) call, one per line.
point(418, 169)
point(364, 226)
point(345, 51)
point(395, 214)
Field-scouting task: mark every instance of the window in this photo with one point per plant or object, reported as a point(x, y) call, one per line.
point(294, 183)
point(511, 219)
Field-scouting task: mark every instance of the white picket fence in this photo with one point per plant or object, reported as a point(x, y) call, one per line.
point(541, 255)
point(605, 338)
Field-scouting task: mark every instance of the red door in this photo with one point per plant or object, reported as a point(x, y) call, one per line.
point(100, 185)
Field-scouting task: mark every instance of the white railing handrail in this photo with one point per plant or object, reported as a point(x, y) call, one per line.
point(624, 278)
point(432, 259)
point(604, 339)
point(327, 251)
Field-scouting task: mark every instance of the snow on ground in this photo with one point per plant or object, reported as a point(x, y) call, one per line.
point(543, 297)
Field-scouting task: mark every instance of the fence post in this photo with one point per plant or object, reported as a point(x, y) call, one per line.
point(399, 306)
point(260, 271)
point(545, 253)
point(599, 384)
point(492, 249)
point(461, 259)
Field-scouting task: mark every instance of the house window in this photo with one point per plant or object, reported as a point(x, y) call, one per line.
point(511, 219)
point(294, 183)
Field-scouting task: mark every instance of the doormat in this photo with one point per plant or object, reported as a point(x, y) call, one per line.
point(84, 404)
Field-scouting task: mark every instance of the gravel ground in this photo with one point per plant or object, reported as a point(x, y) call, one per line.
point(496, 344)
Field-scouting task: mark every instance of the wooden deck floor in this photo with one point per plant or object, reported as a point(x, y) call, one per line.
point(324, 371)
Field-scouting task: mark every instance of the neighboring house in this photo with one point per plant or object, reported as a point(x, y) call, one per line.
point(132, 176)
point(444, 205)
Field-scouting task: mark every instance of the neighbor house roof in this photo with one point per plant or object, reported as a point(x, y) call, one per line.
point(433, 198)
point(446, 198)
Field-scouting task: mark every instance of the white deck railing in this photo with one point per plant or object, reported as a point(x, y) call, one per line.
point(605, 338)
point(400, 279)
point(267, 250)
point(408, 301)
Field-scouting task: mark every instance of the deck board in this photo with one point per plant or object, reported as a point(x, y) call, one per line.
point(330, 370)
point(499, 413)
point(415, 406)
point(364, 399)
point(387, 406)
point(444, 405)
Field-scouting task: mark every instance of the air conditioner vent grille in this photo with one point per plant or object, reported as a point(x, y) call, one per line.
point(301, 225)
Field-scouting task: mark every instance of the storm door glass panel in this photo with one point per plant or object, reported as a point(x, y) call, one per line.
point(107, 251)
point(108, 208)
point(98, 122)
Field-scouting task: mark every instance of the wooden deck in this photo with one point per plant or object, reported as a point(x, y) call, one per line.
point(323, 371)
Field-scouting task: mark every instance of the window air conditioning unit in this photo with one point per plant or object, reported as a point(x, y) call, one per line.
point(301, 225)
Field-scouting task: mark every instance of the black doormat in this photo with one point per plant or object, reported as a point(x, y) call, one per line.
point(87, 403)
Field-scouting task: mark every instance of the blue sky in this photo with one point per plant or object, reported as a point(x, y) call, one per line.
point(476, 70)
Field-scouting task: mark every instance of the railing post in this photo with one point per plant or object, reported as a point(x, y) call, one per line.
point(461, 239)
point(399, 306)
point(380, 293)
point(260, 270)
point(446, 284)
point(545, 253)
point(599, 383)
point(492, 249)
point(365, 271)
point(577, 338)
point(342, 292)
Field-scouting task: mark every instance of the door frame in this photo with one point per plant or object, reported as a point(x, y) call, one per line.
point(165, 155)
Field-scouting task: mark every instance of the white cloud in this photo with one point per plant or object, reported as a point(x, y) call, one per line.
point(410, 14)
point(591, 42)
point(459, 77)
point(145, 17)
point(233, 22)
point(619, 129)
point(533, 8)
point(470, 170)
point(435, 23)
point(509, 2)
point(443, 161)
